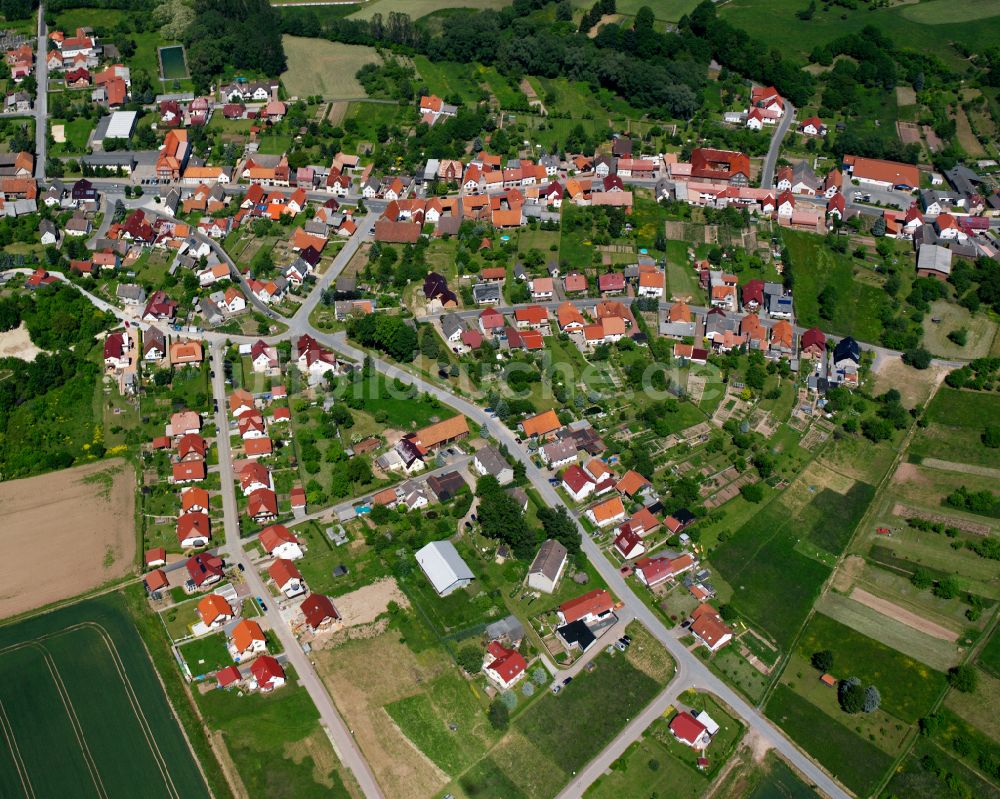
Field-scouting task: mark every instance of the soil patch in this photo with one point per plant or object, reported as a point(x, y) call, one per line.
point(903, 615)
point(363, 677)
point(78, 522)
point(849, 571)
point(369, 602)
point(17, 343)
point(915, 387)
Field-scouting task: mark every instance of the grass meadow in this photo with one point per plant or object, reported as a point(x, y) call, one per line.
point(275, 742)
point(857, 763)
point(922, 27)
point(108, 740)
point(316, 66)
point(957, 420)
point(909, 688)
point(790, 543)
point(817, 267)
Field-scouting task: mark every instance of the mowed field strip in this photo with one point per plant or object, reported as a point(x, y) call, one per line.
point(77, 691)
point(79, 522)
point(903, 615)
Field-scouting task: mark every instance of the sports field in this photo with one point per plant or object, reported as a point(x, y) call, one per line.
point(82, 713)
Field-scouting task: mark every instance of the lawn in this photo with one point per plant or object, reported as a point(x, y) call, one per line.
point(507, 96)
point(60, 657)
point(316, 66)
point(957, 408)
point(909, 688)
point(399, 407)
point(817, 267)
point(958, 419)
point(276, 742)
point(981, 331)
point(854, 761)
point(76, 132)
point(780, 782)
point(207, 654)
point(682, 282)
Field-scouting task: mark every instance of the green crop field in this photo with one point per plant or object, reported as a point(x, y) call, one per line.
point(759, 558)
point(780, 782)
point(925, 27)
point(847, 756)
point(909, 688)
point(78, 692)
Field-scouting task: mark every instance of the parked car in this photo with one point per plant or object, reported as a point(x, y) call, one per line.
point(620, 646)
point(567, 681)
point(556, 689)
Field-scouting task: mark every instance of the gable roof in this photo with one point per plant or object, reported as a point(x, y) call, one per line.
point(594, 603)
point(317, 608)
point(549, 560)
point(541, 424)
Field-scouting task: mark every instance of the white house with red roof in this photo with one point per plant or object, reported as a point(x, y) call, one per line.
point(267, 674)
point(628, 543)
point(577, 483)
point(504, 667)
point(813, 126)
point(689, 731)
point(653, 571)
point(279, 542)
point(592, 606)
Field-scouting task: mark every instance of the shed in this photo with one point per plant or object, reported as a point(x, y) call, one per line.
point(444, 567)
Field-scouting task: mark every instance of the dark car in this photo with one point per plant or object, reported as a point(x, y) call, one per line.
point(567, 681)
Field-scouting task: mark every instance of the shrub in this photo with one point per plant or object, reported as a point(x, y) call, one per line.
point(872, 699)
point(470, 659)
point(823, 660)
point(851, 695)
point(963, 678)
point(498, 714)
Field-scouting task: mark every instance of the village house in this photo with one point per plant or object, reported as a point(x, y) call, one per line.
point(247, 640)
point(504, 667)
point(215, 611)
point(548, 566)
point(709, 628)
point(267, 674)
point(287, 578)
point(319, 612)
point(592, 606)
point(279, 542)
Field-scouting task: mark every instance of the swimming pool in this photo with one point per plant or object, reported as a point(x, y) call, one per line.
point(172, 64)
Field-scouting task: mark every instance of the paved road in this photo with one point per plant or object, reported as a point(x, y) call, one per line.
point(767, 173)
point(42, 96)
point(347, 748)
point(365, 226)
point(691, 672)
